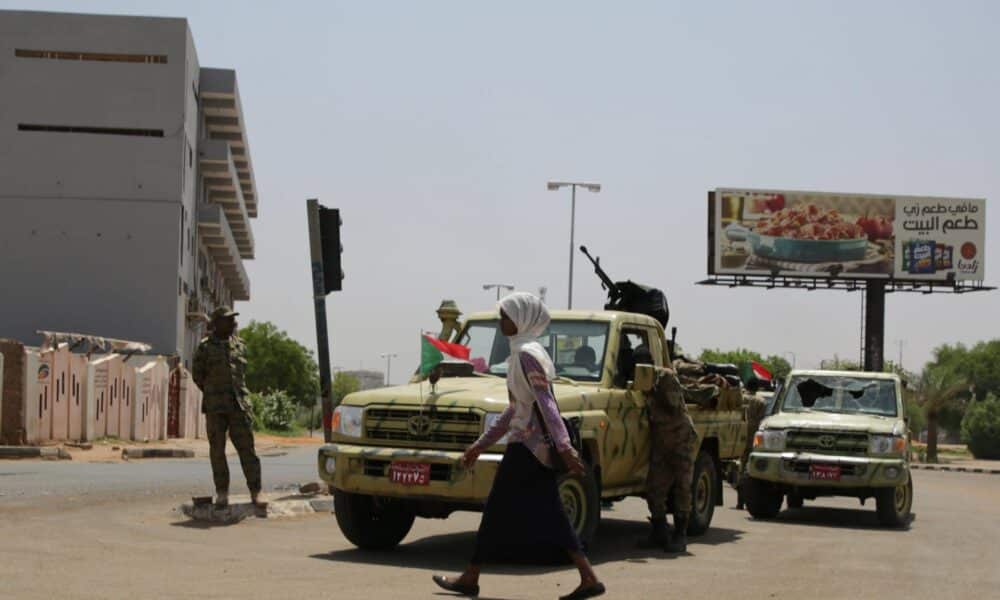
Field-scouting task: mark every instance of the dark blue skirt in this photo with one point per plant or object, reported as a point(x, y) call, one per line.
point(524, 518)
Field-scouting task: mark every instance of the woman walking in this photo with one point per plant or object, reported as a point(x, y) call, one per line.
point(523, 510)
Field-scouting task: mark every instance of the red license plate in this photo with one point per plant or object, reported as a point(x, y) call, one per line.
point(408, 473)
point(824, 472)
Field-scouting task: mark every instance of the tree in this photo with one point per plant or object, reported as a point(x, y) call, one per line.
point(344, 384)
point(938, 387)
point(981, 428)
point(276, 362)
point(778, 366)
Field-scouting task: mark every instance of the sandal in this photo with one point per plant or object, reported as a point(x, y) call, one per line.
point(585, 592)
point(460, 588)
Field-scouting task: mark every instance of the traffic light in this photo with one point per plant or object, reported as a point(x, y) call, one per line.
point(329, 234)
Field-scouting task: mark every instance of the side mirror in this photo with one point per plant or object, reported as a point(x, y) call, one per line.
point(645, 378)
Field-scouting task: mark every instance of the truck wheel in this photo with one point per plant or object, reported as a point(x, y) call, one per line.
point(371, 524)
point(893, 504)
point(763, 501)
point(703, 484)
point(794, 501)
point(581, 500)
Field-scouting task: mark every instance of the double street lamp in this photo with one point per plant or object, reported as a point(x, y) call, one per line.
point(499, 287)
point(555, 186)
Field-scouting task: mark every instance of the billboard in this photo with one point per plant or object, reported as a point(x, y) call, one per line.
point(846, 236)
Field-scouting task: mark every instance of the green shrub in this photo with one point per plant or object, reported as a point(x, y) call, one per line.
point(273, 410)
point(981, 428)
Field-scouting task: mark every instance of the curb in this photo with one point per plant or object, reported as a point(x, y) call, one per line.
point(128, 453)
point(956, 469)
point(34, 452)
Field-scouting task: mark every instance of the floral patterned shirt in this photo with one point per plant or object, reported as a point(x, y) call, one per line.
point(532, 436)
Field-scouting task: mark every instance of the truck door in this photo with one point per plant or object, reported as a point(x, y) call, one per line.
point(629, 461)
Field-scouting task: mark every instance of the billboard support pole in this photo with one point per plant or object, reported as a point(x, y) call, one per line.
point(319, 303)
point(874, 325)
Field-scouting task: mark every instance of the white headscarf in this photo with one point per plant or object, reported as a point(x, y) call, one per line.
point(532, 319)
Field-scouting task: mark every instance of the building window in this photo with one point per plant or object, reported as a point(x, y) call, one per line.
point(88, 129)
point(183, 225)
point(157, 59)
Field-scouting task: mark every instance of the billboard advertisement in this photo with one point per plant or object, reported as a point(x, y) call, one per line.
point(846, 236)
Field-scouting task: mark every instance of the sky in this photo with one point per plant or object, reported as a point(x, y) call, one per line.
point(434, 126)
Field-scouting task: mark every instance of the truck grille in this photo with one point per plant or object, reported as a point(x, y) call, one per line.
point(830, 443)
point(456, 428)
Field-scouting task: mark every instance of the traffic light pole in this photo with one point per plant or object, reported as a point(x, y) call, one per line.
point(319, 304)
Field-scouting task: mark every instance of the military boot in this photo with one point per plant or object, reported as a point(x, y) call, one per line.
point(657, 534)
point(679, 538)
point(221, 499)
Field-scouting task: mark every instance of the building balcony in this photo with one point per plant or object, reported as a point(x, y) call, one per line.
point(223, 115)
point(217, 237)
point(222, 187)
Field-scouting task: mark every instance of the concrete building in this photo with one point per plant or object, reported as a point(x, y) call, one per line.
point(368, 380)
point(126, 186)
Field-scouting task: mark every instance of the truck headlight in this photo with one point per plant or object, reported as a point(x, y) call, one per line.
point(769, 439)
point(347, 420)
point(331, 465)
point(490, 420)
point(886, 444)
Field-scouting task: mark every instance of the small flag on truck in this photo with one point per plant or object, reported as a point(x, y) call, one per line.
point(754, 370)
point(434, 352)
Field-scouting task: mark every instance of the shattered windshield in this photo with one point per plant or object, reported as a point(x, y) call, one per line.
point(840, 394)
point(576, 347)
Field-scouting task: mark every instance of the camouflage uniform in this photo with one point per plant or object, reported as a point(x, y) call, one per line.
point(672, 447)
point(219, 369)
point(754, 410)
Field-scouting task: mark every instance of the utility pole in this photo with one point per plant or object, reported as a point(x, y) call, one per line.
point(327, 276)
point(388, 365)
point(555, 186)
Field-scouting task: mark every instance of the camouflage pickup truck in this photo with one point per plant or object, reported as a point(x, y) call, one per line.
point(834, 433)
point(395, 451)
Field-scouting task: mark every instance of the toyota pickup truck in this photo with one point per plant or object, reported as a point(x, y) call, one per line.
point(834, 433)
point(394, 453)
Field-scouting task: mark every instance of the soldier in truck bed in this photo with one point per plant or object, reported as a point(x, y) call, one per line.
point(219, 369)
point(672, 439)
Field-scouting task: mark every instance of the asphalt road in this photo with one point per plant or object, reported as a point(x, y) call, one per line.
point(118, 541)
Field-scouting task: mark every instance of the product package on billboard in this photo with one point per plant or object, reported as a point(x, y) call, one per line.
point(849, 236)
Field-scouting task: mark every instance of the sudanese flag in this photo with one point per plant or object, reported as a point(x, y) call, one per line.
point(755, 370)
point(434, 352)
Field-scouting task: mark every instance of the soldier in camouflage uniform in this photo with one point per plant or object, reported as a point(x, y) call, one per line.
point(672, 440)
point(755, 407)
point(219, 369)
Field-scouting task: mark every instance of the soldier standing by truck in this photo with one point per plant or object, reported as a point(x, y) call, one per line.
point(672, 439)
point(219, 369)
point(755, 408)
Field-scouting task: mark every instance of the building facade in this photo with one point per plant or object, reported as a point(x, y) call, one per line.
point(126, 185)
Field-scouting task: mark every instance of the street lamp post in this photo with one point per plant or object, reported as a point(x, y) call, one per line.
point(793, 357)
point(388, 365)
point(499, 287)
point(554, 186)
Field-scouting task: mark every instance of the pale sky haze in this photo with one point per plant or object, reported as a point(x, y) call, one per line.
point(434, 126)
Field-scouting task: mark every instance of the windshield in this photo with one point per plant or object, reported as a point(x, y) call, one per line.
point(840, 394)
point(576, 347)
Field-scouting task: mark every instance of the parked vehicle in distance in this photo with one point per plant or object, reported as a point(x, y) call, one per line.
point(834, 433)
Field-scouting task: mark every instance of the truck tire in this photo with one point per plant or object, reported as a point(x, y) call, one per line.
point(581, 500)
point(703, 486)
point(763, 501)
point(893, 504)
point(370, 524)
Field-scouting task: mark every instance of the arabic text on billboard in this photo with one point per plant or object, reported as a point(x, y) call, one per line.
point(852, 236)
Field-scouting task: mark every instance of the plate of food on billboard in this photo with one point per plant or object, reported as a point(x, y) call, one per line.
point(852, 236)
